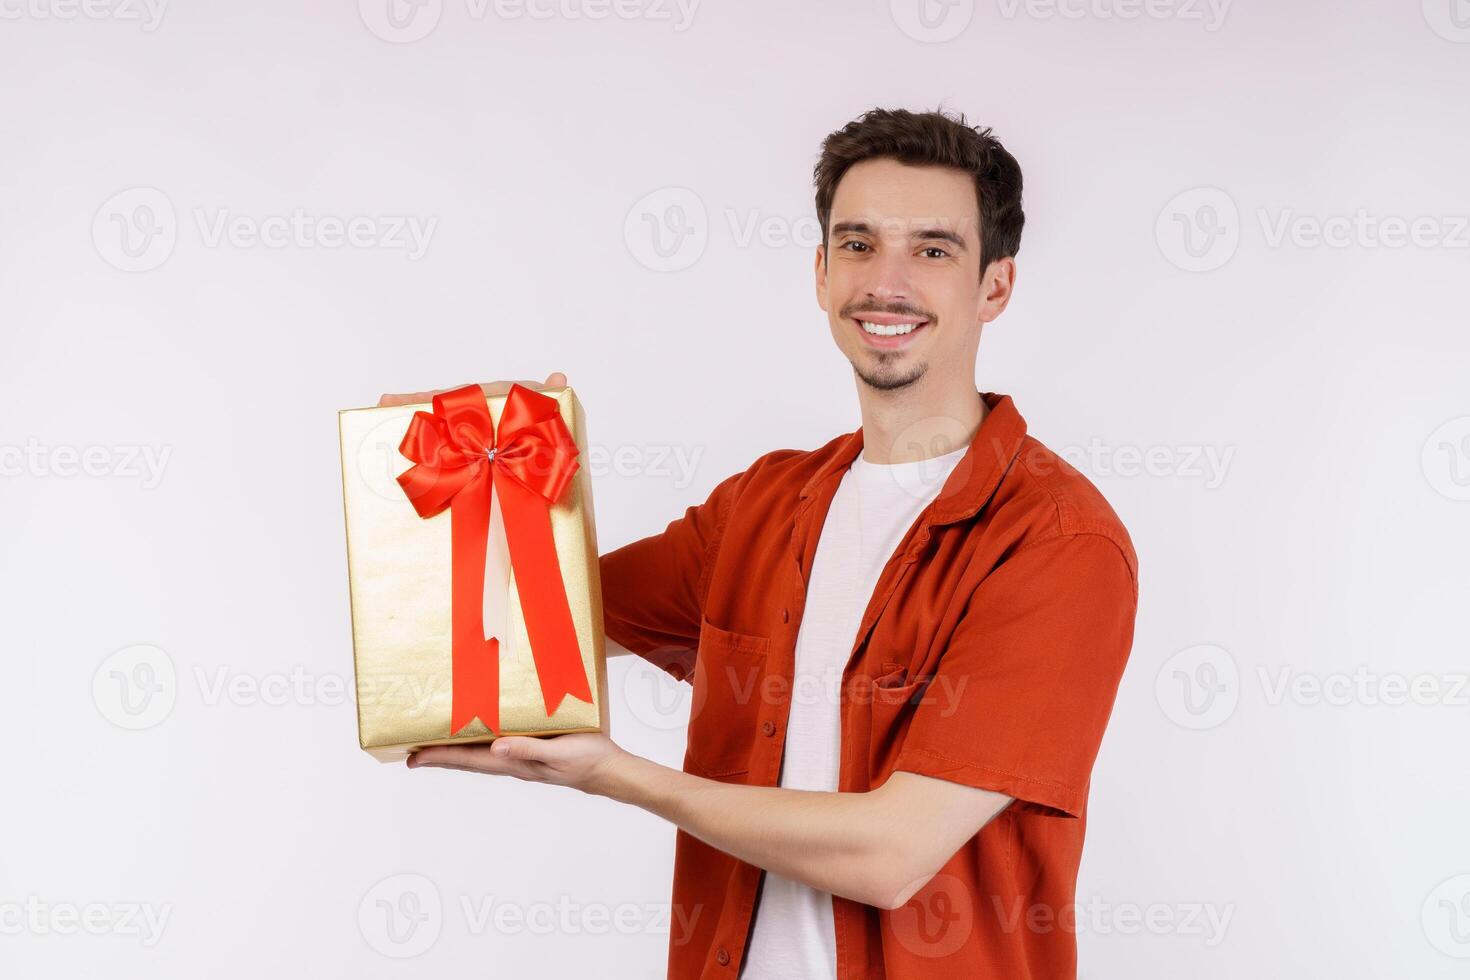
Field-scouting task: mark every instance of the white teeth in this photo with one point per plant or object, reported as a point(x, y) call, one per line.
point(884, 330)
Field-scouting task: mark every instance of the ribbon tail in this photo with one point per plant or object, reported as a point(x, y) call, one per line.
point(476, 660)
point(497, 604)
point(543, 595)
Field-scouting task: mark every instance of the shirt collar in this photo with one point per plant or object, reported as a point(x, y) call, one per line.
point(973, 480)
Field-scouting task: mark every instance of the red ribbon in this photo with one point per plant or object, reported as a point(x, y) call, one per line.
point(530, 462)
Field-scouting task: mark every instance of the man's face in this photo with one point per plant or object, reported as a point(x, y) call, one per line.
point(899, 276)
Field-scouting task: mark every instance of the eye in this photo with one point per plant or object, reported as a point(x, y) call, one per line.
point(936, 248)
point(860, 245)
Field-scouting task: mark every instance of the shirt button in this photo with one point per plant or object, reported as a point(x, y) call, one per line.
point(768, 728)
point(722, 957)
point(785, 615)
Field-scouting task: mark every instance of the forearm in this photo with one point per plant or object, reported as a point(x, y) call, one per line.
point(829, 841)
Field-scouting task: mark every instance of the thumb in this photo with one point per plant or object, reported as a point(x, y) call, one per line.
point(556, 379)
point(518, 747)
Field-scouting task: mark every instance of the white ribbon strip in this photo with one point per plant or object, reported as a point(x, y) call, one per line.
point(497, 582)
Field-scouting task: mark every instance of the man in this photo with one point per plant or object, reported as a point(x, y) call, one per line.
point(960, 600)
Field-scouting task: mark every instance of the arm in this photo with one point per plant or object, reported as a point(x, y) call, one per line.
point(843, 843)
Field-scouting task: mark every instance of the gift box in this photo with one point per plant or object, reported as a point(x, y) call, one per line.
point(472, 567)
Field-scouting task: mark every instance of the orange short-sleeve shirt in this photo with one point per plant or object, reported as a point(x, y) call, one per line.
point(989, 654)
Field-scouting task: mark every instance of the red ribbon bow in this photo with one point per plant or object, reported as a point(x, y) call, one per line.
point(530, 462)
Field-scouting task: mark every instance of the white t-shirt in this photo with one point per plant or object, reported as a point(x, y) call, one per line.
point(873, 509)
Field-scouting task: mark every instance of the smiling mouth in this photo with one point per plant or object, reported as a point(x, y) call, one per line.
point(889, 334)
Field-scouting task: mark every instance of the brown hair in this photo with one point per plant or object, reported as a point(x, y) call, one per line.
point(939, 139)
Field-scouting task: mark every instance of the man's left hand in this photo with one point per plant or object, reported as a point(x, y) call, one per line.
point(582, 760)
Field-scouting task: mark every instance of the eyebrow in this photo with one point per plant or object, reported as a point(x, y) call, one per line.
point(862, 228)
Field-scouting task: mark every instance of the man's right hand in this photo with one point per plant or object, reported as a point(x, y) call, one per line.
point(555, 379)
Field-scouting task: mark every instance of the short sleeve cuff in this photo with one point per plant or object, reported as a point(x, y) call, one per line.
point(1036, 795)
point(675, 660)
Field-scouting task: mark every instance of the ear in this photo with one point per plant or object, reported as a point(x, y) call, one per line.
point(999, 286)
point(821, 277)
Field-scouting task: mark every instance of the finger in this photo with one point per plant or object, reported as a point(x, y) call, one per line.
point(476, 757)
point(554, 380)
point(473, 769)
point(409, 398)
point(523, 748)
point(503, 387)
point(531, 772)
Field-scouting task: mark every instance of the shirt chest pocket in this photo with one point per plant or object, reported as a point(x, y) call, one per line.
point(893, 697)
point(724, 713)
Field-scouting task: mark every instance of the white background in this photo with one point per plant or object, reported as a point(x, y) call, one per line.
point(1330, 381)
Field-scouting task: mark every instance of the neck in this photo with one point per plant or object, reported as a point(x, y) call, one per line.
point(911, 424)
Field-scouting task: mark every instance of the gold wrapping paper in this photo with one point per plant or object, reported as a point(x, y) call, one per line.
point(399, 568)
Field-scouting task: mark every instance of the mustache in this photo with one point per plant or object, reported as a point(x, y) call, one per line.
point(853, 311)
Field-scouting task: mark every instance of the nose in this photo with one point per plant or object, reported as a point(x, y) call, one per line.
point(889, 282)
